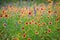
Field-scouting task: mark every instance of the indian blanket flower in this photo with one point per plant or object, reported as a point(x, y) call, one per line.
point(30, 22)
point(29, 12)
point(22, 28)
point(24, 35)
point(57, 20)
point(49, 30)
point(42, 9)
point(26, 23)
point(6, 16)
point(36, 32)
point(35, 22)
point(49, 11)
point(1, 16)
point(50, 23)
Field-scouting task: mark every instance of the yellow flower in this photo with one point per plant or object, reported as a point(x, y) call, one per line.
point(36, 32)
point(19, 22)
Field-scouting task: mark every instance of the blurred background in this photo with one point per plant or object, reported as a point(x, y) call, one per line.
point(19, 2)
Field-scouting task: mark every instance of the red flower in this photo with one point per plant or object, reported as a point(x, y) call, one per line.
point(49, 11)
point(49, 31)
point(30, 22)
point(26, 23)
point(0, 16)
point(29, 13)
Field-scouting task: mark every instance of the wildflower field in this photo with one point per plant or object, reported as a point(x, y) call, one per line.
point(35, 22)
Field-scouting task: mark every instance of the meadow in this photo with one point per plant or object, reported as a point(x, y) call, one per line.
point(35, 22)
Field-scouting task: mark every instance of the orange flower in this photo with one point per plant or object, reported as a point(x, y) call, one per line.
point(0, 16)
point(57, 20)
point(26, 23)
point(49, 31)
point(24, 35)
point(42, 9)
point(35, 22)
point(22, 28)
point(6, 16)
point(36, 33)
point(30, 22)
point(49, 11)
point(50, 23)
